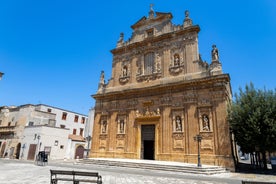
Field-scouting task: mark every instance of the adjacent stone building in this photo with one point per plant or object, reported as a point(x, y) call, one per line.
point(161, 95)
point(27, 129)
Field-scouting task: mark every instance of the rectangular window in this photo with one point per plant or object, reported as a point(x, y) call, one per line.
point(81, 131)
point(56, 142)
point(76, 118)
point(149, 63)
point(74, 131)
point(64, 116)
point(49, 110)
point(62, 126)
point(31, 123)
point(82, 120)
point(150, 32)
point(61, 146)
point(0, 122)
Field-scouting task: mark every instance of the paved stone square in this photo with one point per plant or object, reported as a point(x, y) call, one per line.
point(20, 172)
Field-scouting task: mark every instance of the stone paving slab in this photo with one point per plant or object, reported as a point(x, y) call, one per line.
point(18, 172)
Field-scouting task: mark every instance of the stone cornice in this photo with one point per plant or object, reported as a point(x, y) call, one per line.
point(161, 88)
point(154, 39)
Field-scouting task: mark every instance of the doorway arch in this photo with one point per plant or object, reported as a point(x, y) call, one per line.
point(79, 152)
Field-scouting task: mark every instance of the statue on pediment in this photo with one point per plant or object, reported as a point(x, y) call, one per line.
point(187, 21)
point(102, 81)
point(215, 54)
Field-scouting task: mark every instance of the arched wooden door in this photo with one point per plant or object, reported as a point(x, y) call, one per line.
point(79, 152)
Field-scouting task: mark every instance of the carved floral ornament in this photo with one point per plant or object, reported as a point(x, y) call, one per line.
point(149, 67)
point(147, 112)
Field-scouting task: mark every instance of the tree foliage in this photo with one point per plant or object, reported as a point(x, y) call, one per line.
point(252, 118)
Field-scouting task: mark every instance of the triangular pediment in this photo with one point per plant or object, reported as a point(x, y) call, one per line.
point(160, 17)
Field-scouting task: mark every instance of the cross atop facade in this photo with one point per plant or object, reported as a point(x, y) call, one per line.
point(151, 5)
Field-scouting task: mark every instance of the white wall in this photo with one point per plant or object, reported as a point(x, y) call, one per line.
point(49, 136)
point(69, 122)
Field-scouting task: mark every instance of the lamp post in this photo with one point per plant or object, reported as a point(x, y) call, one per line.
point(88, 138)
point(198, 138)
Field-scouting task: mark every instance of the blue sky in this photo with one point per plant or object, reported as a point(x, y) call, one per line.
point(52, 51)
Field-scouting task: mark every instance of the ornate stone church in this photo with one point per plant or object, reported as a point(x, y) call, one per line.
point(162, 97)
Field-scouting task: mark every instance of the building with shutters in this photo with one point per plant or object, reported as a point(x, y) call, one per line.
point(27, 129)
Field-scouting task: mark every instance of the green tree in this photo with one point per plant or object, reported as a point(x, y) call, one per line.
point(252, 118)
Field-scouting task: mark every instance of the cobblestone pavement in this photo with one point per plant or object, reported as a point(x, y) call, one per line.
point(20, 172)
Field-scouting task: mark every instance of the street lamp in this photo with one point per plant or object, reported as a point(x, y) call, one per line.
point(88, 138)
point(198, 138)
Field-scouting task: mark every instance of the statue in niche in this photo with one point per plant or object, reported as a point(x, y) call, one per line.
point(124, 71)
point(178, 124)
point(206, 123)
point(176, 60)
point(215, 54)
point(104, 126)
point(121, 126)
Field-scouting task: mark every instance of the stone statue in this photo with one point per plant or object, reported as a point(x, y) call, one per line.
point(122, 123)
point(121, 37)
point(151, 12)
point(124, 71)
point(121, 40)
point(102, 81)
point(178, 124)
point(176, 60)
point(187, 14)
point(205, 123)
point(215, 54)
point(104, 125)
point(158, 111)
point(187, 21)
point(137, 113)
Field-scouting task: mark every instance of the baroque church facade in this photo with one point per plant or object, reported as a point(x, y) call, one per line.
point(162, 95)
